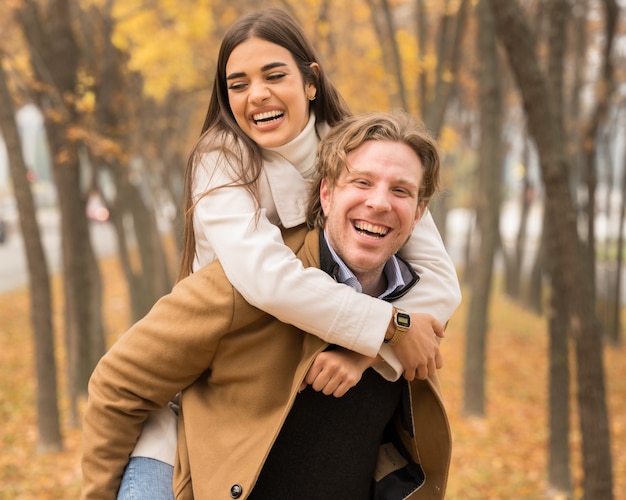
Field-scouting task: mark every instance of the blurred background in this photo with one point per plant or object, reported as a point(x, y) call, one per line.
point(102, 100)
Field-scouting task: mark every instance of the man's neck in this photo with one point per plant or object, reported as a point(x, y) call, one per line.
point(373, 283)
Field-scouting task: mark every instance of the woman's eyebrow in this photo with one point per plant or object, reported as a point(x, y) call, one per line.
point(267, 67)
point(232, 76)
point(273, 65)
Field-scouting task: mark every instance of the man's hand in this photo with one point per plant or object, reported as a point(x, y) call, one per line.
point(335, 372)
point(418, 351)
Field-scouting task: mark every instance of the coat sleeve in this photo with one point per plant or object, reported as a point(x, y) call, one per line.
point(160, 355)
point(438, 291)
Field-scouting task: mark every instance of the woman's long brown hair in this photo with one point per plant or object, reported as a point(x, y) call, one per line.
point(220, 127)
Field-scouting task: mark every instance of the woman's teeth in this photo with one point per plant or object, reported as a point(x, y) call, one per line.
point(267, 116)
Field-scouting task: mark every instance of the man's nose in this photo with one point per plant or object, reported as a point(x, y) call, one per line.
point(378, 199)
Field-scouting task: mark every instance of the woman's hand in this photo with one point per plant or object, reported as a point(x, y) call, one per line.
point(336, 371)
point(419, 351)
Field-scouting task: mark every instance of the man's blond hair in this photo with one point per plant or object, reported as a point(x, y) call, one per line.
point(355, 130)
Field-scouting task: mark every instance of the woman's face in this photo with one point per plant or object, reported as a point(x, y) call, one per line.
point(266, 92)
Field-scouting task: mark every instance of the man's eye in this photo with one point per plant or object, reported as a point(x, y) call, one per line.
point(402, 192)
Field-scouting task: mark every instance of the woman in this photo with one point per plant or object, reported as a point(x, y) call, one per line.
point(248, 177)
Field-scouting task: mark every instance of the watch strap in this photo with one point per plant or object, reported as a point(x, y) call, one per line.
point(402, 324)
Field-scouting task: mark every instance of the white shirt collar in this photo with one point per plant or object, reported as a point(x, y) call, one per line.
point(346, 276)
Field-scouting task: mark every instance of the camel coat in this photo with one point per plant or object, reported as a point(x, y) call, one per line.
point(239, 371)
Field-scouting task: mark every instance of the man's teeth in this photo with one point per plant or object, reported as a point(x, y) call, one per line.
point(267, 116)
point(371, 229)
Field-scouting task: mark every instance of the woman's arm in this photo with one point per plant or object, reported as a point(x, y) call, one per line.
point(250, 247)
point(268, 274)
point(435, 297)
point(438, 292)
point(337, 371)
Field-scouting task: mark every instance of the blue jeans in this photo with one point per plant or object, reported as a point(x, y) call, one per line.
point(146, 479)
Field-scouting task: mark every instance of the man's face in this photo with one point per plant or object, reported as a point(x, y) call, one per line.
point(373, 208)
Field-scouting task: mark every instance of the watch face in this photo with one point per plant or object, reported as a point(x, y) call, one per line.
point(403, 320)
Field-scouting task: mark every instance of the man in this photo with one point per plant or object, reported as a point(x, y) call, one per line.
point(245, 429)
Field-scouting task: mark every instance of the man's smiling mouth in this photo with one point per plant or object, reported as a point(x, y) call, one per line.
point(370, 229)
point(268, 116)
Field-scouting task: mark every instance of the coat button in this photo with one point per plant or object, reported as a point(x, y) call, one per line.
point(236, 490)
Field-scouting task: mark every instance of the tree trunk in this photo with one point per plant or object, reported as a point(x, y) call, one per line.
point(605, 275)
point(150, 279)
point(386, 33)
point(573, 122)
point(534, 296)
point(468, 248)
point(559, 407)
point(564, 247)
point(154, 270)
point(615, 334)
point(451, 31)
point(559, 474)
point(420, 26)
point(54, 58)
point(489, 207)
point(589, 141)
point(48, 426)
point(514, 262)
point(435, 100)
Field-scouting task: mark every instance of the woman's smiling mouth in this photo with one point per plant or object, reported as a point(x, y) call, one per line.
point(267, 116)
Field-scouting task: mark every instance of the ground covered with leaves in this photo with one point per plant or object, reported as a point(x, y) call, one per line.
point(501, 456)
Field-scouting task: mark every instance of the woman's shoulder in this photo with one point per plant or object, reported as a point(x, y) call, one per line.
point(220, 141)
point(222, 148)
point(222, 156)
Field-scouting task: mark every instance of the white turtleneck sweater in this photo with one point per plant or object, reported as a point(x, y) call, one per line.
point(301, 151)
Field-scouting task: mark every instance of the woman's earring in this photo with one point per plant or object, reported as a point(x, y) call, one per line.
point(311, 97)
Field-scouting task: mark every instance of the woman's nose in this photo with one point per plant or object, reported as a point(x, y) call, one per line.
point(259, 92)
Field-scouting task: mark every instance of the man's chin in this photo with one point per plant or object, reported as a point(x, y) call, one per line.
point(365, 264)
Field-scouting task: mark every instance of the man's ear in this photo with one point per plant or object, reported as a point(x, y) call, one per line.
point(325, 195)
point(421, 210)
